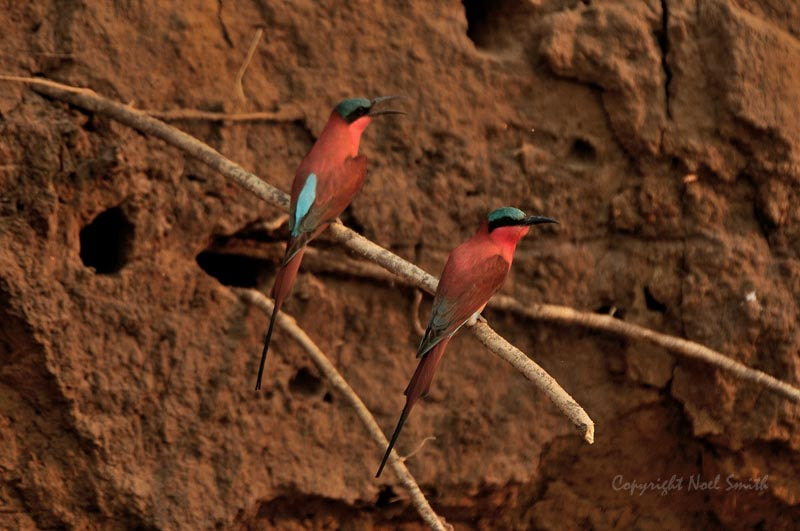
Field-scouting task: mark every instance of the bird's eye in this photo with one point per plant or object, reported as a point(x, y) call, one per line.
point(358, 112)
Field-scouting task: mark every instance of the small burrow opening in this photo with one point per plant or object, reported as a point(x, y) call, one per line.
point(490, 23)
point(652, 303)
point(386, 497)
point(477, 12)
point(305, 383)
point(582, 150)
point(107, 241)
point(235, 269)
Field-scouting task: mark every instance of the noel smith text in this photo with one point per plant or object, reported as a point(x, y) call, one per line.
point(693, 483)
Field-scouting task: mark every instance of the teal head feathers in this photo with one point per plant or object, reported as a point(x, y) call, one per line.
point(354, 108)
point(510, 216)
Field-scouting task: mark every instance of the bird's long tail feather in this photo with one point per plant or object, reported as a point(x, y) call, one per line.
point(403, 417)
point(417, 388)
point(267, 340)
point(420, 383)
point(283, 285)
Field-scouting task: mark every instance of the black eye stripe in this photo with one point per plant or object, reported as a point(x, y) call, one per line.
point(358, 112)
point(505, 221)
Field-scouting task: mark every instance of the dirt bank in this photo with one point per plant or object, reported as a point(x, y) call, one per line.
point(126, 368)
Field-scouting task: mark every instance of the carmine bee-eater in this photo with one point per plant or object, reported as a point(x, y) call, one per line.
point(474, 271)
point(328, 178)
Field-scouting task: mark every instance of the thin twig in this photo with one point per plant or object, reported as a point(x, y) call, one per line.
point(273, 224)
point(339, 383)
point(418, 448)
point(42, 82)
point(243, 68)
point(289, 113)
point(418, 328)
point(352, 240)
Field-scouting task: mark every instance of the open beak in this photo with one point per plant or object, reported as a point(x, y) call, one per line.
point(535, 220)
point(376, 112)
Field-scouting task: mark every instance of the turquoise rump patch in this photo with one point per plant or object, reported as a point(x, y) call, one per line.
point(304, 201)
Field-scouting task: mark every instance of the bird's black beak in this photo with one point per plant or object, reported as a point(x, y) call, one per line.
point(535, 220)
point(377, 112)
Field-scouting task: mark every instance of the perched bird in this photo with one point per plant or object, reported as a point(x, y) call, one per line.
point(328, 178)
point(474, 271)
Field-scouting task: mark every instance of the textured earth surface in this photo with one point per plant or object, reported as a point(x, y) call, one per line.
point(664, 135)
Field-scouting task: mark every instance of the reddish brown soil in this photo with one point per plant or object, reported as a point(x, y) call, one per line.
point(126, 388)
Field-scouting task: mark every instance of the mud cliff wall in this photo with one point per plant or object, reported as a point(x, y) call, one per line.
point(126, 367)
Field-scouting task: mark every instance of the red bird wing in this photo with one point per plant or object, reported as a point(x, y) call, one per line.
point(335, 189)
point(465, 287)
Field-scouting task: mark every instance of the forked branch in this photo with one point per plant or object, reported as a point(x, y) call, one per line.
point(340, 384)
point(676, 345)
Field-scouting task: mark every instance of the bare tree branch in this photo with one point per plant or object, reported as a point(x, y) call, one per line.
point(92, 102)
point(537, 375)
point(676, 345)
point(340, 384)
